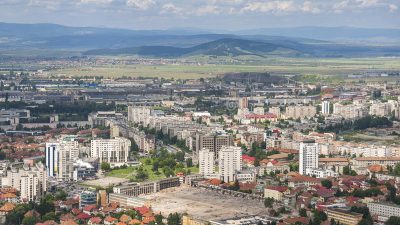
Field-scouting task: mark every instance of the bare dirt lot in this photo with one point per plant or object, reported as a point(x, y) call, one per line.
point(203, 204)
point(105, 182)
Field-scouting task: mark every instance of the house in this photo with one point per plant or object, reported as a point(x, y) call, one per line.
point(135, 222)
point(301, 180)
point(83, 216)
point(7, 208)
point(68, 222)
point(296, 220)
point(95, 221)
point(110, 220)
point(125, 218)
point(248, 160)
point(67, 217)
point(275, 192)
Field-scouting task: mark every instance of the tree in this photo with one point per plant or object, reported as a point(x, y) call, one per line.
point(393, 220)
point(365, 222)
point(60, 195)
point(159, 219)
point(326, 183)
point(189, 162)
point(30, 220)
point(174, 219)
point(303, 212)
point(268, 202)
point(141, 174)
point(46, 205)
point(105, 166)
point(155, 166)
point(396, 170)
point(15, 216)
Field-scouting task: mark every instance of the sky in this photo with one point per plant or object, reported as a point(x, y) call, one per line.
point(204, 14)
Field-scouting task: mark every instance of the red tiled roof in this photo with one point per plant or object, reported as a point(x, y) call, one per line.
point(142, 210)
point(277, 188)
point(89, 208)
point(265, 116)
point(95, 220)
point(83, 216)
point(248, 158)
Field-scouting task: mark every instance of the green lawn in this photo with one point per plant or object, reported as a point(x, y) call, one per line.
point(129, 172)
point(122, 173)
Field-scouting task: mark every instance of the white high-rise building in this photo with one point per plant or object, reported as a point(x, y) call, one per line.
point(114, 151)
point(67, 154)
point(230, 162)
point(325, 108)
point(308, 156)
point(29, 181)
point(60, 157)
point(206, 162)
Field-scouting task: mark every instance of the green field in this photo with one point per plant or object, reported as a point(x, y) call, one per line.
point(129, 172)
point(294, 66)
point(363, 137)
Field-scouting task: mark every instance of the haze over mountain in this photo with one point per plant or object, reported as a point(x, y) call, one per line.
point(297, 42)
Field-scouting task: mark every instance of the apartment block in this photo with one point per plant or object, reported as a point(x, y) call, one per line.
point(206, 162)
point(230, 163)
point(300, 111)
point(114, 151)
point(383, 210)
point(308, 156)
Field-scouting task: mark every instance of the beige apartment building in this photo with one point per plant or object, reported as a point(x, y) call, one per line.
point(213, 142)
point(300, 111)
point(351, 111)
point(114, 151)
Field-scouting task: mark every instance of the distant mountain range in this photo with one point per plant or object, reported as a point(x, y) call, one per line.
point(296, 42)
point(239, 47)
point(221, 47)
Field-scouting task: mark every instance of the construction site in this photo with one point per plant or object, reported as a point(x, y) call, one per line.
point(204, 204)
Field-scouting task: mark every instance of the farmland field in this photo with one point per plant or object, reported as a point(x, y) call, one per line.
point(298, 66)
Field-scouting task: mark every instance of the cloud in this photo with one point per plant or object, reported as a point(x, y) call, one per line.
point(171, 8)
point(367, 3)
point(48, 4)
point(392, 7)
point(208, 9)
point(271, 6)
point(96, 2)
point(140, 4)
point(310, 7)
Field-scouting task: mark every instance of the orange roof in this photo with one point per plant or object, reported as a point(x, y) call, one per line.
point(120, 223)
point(377, 168)
point(8, 195)
point(147, 220)
point(7, 207)
point(333, 159)
point(110, 219)
point(378, 159)
point(148, 214)
point(134, 221)
point(68, 222)
point(142, 210)
point(278, 156)
point(302, 178)
point(215, 182)
point(125, 218)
